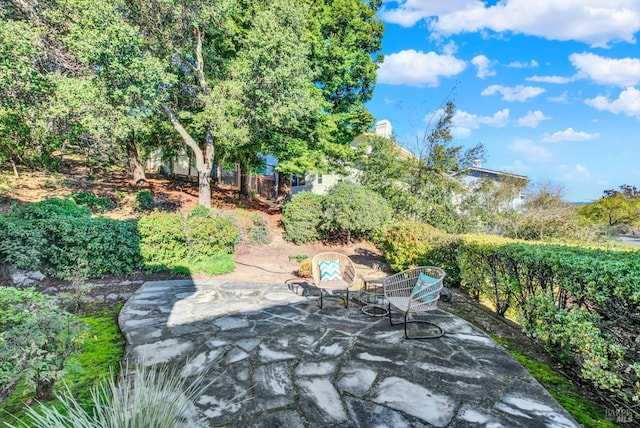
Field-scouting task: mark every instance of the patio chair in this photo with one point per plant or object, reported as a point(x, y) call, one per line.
point(413, 291)
point(333, 271)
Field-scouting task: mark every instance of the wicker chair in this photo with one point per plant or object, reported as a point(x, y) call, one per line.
point(401, 293)
point(347, 270)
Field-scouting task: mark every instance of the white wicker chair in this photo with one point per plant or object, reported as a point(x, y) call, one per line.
point(399, 292)
point(347, 271)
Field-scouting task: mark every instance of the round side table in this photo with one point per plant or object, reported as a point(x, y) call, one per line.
point(372, 297)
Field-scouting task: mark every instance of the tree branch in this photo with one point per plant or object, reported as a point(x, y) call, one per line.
point(188, 140)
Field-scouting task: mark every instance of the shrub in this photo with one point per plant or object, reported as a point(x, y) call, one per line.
point(144, 201)
point(48, 208)
point(210, 235)
point(36, 337)
point(258, 229)
point(146, 397)
point(93, 247)
point(354, 211)
point(301, 218)
point(95, 203)
point(193, 244)
point(163, 239)
point(581, 303)
point(62, 240)
point(304, 270)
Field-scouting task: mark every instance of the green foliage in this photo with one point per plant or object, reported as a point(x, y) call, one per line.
point(579, 302)
point(210, 235)
point(144, 201)
point(584, 411)
point(163, 239)
point(422, 187)
point(258, 230)
point(59, 238)
point(48, 208)
point(24, 94)
point(411, 243)
point(254, 227)
point(36, 338)
point(202, 242)
point(146, 397)
point(95, 203)
point(613, 210)
point(302, 217)
point(102, 350)
point(354, 211)
point(298, 257)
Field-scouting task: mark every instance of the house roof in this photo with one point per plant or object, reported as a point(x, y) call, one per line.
point(479, 172)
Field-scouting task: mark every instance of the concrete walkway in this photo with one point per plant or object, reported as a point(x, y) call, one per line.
point(281, 361)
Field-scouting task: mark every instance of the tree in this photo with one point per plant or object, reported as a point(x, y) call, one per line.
point(24, 93)
point(494, 204)
point(274, 76)
point(615, 208)
point(547, 215)
point(345, 38)
point(422, 186)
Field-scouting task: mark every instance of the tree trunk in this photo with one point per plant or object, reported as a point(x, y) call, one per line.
point(204, 158)
point(245, 185)
point(284, 187)
point(135, 164)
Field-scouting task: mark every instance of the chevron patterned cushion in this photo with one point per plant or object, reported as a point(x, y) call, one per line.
point(428, 282)
point(330, 271)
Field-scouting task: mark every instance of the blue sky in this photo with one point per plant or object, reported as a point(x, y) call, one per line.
point(550, 87)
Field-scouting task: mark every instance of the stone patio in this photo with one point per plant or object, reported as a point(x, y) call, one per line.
point(281, 361)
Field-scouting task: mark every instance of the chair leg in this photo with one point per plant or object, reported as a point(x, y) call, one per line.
point(440, 331)
point(321, 298)
point(346, 305)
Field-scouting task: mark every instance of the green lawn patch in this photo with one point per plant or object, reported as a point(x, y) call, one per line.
point(584, 411)
point(102, 351)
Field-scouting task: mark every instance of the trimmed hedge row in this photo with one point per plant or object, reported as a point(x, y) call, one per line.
point(582, 303)
point(61, 239)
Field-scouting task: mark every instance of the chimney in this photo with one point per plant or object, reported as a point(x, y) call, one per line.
point(383, 128)
point(477, 163)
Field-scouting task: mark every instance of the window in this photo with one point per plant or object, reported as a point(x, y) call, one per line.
point(297, 180)
point(319, 179)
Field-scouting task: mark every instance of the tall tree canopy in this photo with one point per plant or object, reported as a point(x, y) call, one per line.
point(234, 78)
point(422, 186)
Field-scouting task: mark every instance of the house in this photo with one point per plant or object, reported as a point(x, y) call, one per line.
point(321, 183)
point(473, 176)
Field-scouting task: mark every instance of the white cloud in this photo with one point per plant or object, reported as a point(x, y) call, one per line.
point(517, 167)
point(552, 79)
point(594, 22)
point(577, 172)
point(484, 66)
point(607, 71)
point(533, 152)
point(562, 98)
point(408, 12)
point(517, 64)
point(569, 134)
point(582, 169)
point(532, 119)
point(464, 122)
point(628, 102)
point(416, 68)
point(518, 93)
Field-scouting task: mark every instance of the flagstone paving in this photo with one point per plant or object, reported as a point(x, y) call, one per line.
point(281, 361)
